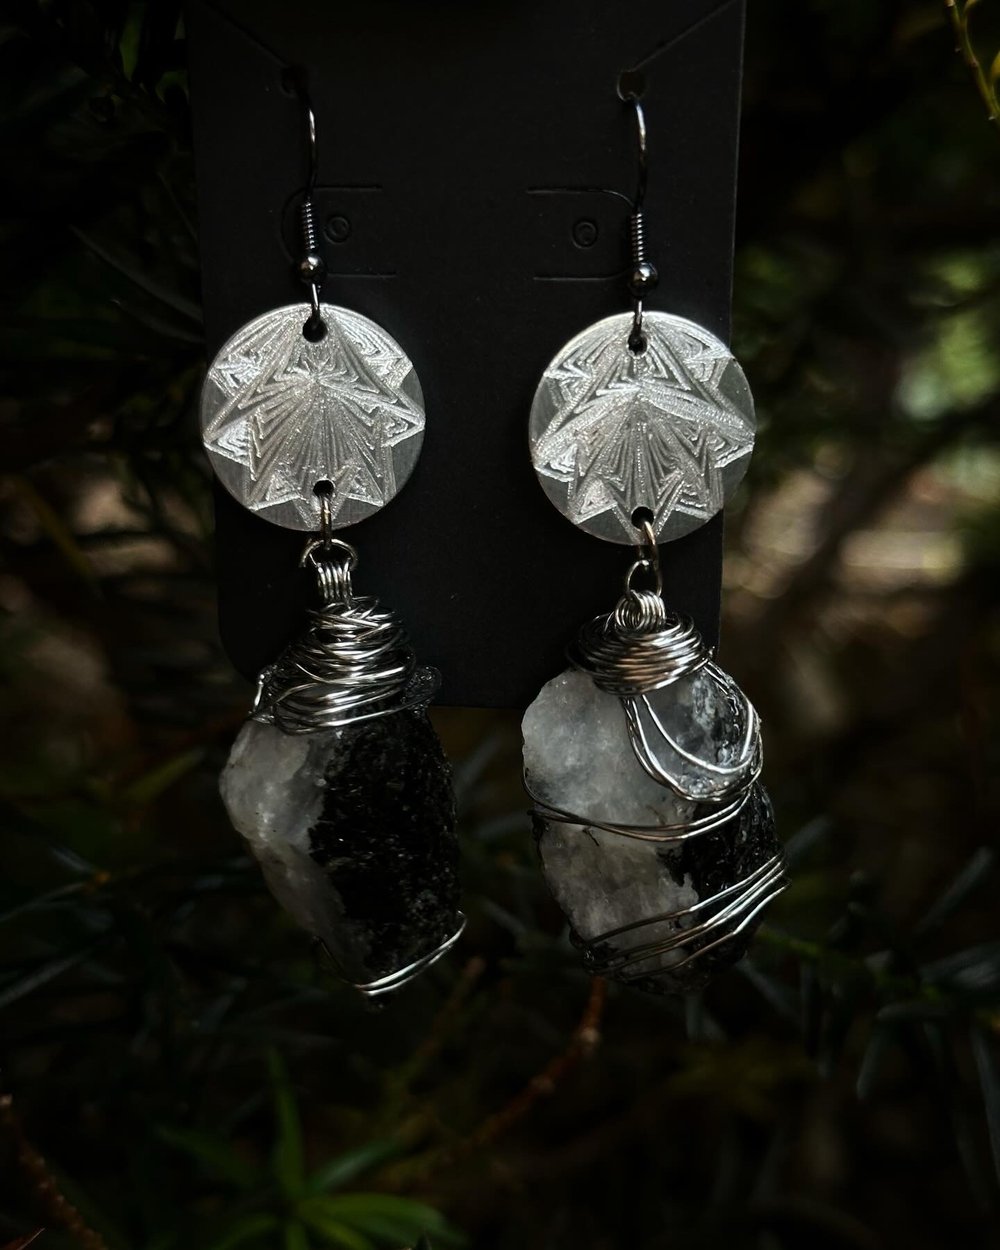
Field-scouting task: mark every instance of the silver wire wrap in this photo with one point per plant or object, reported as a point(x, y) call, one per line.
point(402, 976)
point(735, 908)
point(353, 663)
point(632, 651)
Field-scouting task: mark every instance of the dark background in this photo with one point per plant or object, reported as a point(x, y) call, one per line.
point(177, 1069)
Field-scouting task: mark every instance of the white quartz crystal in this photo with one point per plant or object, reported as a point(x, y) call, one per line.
point(705, 715)
point(273, 787)
point(578, 757)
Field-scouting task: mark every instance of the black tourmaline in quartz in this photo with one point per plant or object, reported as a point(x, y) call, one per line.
point(355, 830)
point(622, 893)
point(708, 864)
point(663, 880)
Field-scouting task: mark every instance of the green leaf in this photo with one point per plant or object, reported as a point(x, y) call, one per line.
point(801, 843)
point(914, 1009)
point(469, 770)
point(989, 1082)
point(45, 973)
point(811, 1007)
point(151, 785)
point(347, 1166)
point(952, 1104)
point(51, 899)
point(296, 1237)
point(879, 1045)
point(388, 1219)
point(244, 1229)
point(779, 996)
point(333, 1231)
point(974, 970)
point(287, 1157)
point(215, 1153)
point(187, 308)
point(959, 889)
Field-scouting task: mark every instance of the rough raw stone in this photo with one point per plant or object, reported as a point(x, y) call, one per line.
point(578, 758)
point(354, 829)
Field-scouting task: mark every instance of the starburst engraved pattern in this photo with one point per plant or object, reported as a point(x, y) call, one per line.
point(670, 429)
point(280, 413)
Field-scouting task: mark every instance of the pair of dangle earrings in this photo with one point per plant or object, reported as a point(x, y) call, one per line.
point(642, 760)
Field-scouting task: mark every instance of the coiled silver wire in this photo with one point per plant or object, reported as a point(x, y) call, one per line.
point(638, 647)
point(352, 663)
point(402, 976)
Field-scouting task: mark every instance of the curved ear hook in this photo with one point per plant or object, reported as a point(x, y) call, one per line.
point(644, 276)
point(313, 148)
point(311, 268)
point(643, 173)
point(631, 84)
point(295, 81)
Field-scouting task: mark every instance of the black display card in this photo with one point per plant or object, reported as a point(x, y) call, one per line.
point(475, 166)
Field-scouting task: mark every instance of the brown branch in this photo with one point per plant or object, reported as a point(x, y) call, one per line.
point(442, 1023)
point(583, 1041)
point(55, 1205)
point(399, 1082)
point(960, 24)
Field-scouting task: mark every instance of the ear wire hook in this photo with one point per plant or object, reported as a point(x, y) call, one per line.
point(311, 267)
point(313, 149)
point(644, 276)
point(643, 172)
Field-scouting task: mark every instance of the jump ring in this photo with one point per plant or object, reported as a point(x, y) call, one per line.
point(315, 544)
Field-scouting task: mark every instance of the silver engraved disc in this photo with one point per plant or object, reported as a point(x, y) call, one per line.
point(280, 414)
point(670, 429)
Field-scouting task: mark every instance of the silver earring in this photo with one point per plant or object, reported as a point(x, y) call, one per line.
point(312, 417)
point(642, 759)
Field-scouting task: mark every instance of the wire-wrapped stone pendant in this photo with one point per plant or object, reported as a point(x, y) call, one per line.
point(339, 785)
point(655, 835)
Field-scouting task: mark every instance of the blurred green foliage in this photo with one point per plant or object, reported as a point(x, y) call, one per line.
point(842, 1088)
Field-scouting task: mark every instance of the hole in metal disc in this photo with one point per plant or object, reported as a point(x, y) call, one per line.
point(631, 84)
point(323, 487)
point(641, 517)
point(314, 329)
point(637, 342)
